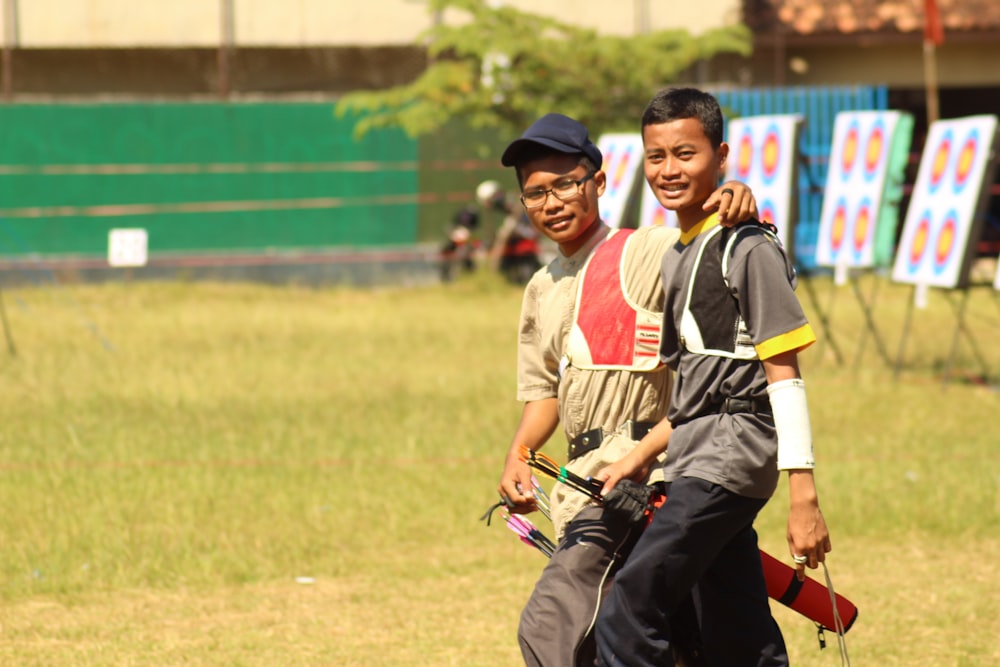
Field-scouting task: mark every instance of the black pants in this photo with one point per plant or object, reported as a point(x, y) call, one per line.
point(556, 628)
point(701, 542)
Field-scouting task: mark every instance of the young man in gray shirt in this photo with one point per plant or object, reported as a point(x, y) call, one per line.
point(732, 331)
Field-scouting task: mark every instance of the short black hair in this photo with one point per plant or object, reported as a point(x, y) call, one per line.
point(677, 103)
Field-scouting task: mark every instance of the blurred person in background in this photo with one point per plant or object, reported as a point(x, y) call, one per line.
point(458, 253)
point(515, 250)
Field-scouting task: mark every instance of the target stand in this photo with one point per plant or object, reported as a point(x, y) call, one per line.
point(864, 186)
point(958, 301)
point(867, 303)
point(946, 216)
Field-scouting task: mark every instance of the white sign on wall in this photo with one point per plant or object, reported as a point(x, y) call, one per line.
point(128, 247)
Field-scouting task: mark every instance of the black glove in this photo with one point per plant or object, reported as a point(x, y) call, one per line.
point(629, 501)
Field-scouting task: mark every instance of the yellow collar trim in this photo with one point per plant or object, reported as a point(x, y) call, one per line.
point(703, 226)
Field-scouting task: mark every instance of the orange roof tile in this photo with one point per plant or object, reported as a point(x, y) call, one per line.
point(858, 17)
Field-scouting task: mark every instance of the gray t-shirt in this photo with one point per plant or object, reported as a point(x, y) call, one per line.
point(736, 451)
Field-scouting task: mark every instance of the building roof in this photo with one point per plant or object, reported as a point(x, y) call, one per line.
point(870, 18)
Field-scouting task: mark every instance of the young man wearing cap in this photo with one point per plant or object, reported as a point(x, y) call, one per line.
point(587, 358)
point(732, 331)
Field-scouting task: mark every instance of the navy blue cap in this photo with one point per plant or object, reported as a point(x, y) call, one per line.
point(558, 132)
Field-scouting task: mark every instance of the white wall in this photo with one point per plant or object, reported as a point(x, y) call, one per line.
point(82, 23)
point(186, 23)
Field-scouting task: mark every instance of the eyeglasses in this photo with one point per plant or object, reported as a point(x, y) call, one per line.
point(562, 190)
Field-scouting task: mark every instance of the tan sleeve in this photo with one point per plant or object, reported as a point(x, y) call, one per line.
point(535, 381)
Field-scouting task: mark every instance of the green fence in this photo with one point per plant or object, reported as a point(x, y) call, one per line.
point(201, 178)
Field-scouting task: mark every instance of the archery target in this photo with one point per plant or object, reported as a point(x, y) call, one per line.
point(850, 151)
point(855, 187)
point(935, 241)
point(939, 164)
point(875, 150)
point(770, 155)
point(763, 150)
point(744, 156)
point(863, 229)
point(767, 210)
point(966, 159)
point(838, 229)
point(623, 157)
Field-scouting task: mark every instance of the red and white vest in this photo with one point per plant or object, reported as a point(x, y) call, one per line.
point(610, 331)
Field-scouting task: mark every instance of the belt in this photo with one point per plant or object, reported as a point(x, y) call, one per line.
point(732, 406)
point(590, 440)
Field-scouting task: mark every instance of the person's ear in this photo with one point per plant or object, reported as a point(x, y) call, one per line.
point(600, 181)
point(723, 154)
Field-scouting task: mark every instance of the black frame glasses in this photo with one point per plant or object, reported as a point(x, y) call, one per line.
point(543, 195)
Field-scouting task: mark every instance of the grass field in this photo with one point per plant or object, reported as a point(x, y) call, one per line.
point(225, 474)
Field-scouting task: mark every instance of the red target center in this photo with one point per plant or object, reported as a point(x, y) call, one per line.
point(746, 156)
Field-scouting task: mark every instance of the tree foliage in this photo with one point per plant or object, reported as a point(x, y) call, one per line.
point(498, 67)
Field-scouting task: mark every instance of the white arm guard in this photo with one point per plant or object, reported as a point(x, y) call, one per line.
point(791, 420)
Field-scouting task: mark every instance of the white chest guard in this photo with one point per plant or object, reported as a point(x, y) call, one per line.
point(711, 307)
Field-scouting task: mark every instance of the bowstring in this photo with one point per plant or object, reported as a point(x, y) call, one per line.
point(845, 659)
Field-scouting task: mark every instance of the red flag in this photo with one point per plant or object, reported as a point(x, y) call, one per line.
point(933, 30)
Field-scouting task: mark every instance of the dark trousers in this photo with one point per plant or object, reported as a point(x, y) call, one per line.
point(556, 628)
point(701, 542)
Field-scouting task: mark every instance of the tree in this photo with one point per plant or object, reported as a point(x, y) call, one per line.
point(503, 68)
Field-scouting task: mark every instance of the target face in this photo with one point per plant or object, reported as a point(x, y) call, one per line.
point(855, 189)
point(945, 243)
point(771, 155)
point(838, 230)
point(862, 227)
point(876, 151)
point(764, 150)
point(918, 245)
point(939, 165)
point(850, 151)
point(622, 168)
point(745, 156)
point(659, 217)
point(966, 160)
point(767, 212)
point(622, 154)
point(945, 203)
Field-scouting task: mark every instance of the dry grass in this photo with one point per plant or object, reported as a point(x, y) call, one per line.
point(176, 456)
